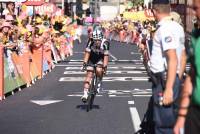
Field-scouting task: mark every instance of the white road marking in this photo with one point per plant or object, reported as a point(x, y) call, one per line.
point(142, 67)
point(106, 79)
point(76, 61)
point(118, 93)
point(132, 53)
point(149, 89)
point(112, 56)
point(112, 91)
point(78, 67)
point(135, 118)
point(139, 63)
point(130, 60)
point(117, 96)
point(73, 62)
point(74, 67)
point(81, 62)
point(75, 95)
point(142, 95)
point(99, 95)
point(131, 102)
point(80, 95)
point(112, 95)
point(108, 72)
point(127, 91)
point(45, 102)
point(63, 65)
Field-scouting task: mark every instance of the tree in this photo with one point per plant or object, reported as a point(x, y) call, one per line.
point(137, 2)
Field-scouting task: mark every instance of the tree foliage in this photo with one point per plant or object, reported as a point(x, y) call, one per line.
point(137, 2)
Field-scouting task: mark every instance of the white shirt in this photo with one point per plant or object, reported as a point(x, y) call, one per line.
point(169, 35)
point(6, 12)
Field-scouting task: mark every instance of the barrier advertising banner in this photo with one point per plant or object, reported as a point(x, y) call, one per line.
point(47, 8)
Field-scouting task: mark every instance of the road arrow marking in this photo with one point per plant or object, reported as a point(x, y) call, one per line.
point(45, 102)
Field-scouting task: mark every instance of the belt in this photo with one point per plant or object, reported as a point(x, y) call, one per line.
point(161, 73)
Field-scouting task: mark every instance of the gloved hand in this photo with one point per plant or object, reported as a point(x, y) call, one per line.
point(84, 66)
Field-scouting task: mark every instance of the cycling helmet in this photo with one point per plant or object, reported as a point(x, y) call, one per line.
point(97, 35)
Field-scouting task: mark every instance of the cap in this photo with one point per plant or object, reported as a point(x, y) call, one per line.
point(6, 24)
point(161, 2)
point(176, 17)
point(9, 17)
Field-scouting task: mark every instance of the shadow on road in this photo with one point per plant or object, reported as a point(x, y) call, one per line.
point(84, 107)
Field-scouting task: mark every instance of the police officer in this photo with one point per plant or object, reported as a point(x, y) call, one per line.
point(165, 63)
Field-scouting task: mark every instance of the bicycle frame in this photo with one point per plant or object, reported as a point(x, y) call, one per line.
point(92, 90)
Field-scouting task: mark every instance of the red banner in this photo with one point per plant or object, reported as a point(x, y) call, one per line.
point(34, 2)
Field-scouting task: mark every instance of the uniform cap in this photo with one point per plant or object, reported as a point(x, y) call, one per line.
point(161, 2)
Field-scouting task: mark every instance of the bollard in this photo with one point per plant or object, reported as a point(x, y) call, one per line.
point(1, 72)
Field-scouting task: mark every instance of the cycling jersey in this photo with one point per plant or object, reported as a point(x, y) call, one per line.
point(97, 53)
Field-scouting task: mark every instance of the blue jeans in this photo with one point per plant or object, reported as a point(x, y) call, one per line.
point(165, 116)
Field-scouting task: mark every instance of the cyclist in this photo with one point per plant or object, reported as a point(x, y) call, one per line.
point(96, 53)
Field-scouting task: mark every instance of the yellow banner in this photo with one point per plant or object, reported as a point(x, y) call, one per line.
point(136, 16)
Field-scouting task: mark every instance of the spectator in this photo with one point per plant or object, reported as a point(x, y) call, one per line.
point(188, 116)
point(10, 9)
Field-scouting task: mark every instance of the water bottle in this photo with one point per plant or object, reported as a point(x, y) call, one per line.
point(160, 98)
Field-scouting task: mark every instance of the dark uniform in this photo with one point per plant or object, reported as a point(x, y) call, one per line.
point(97, 53)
